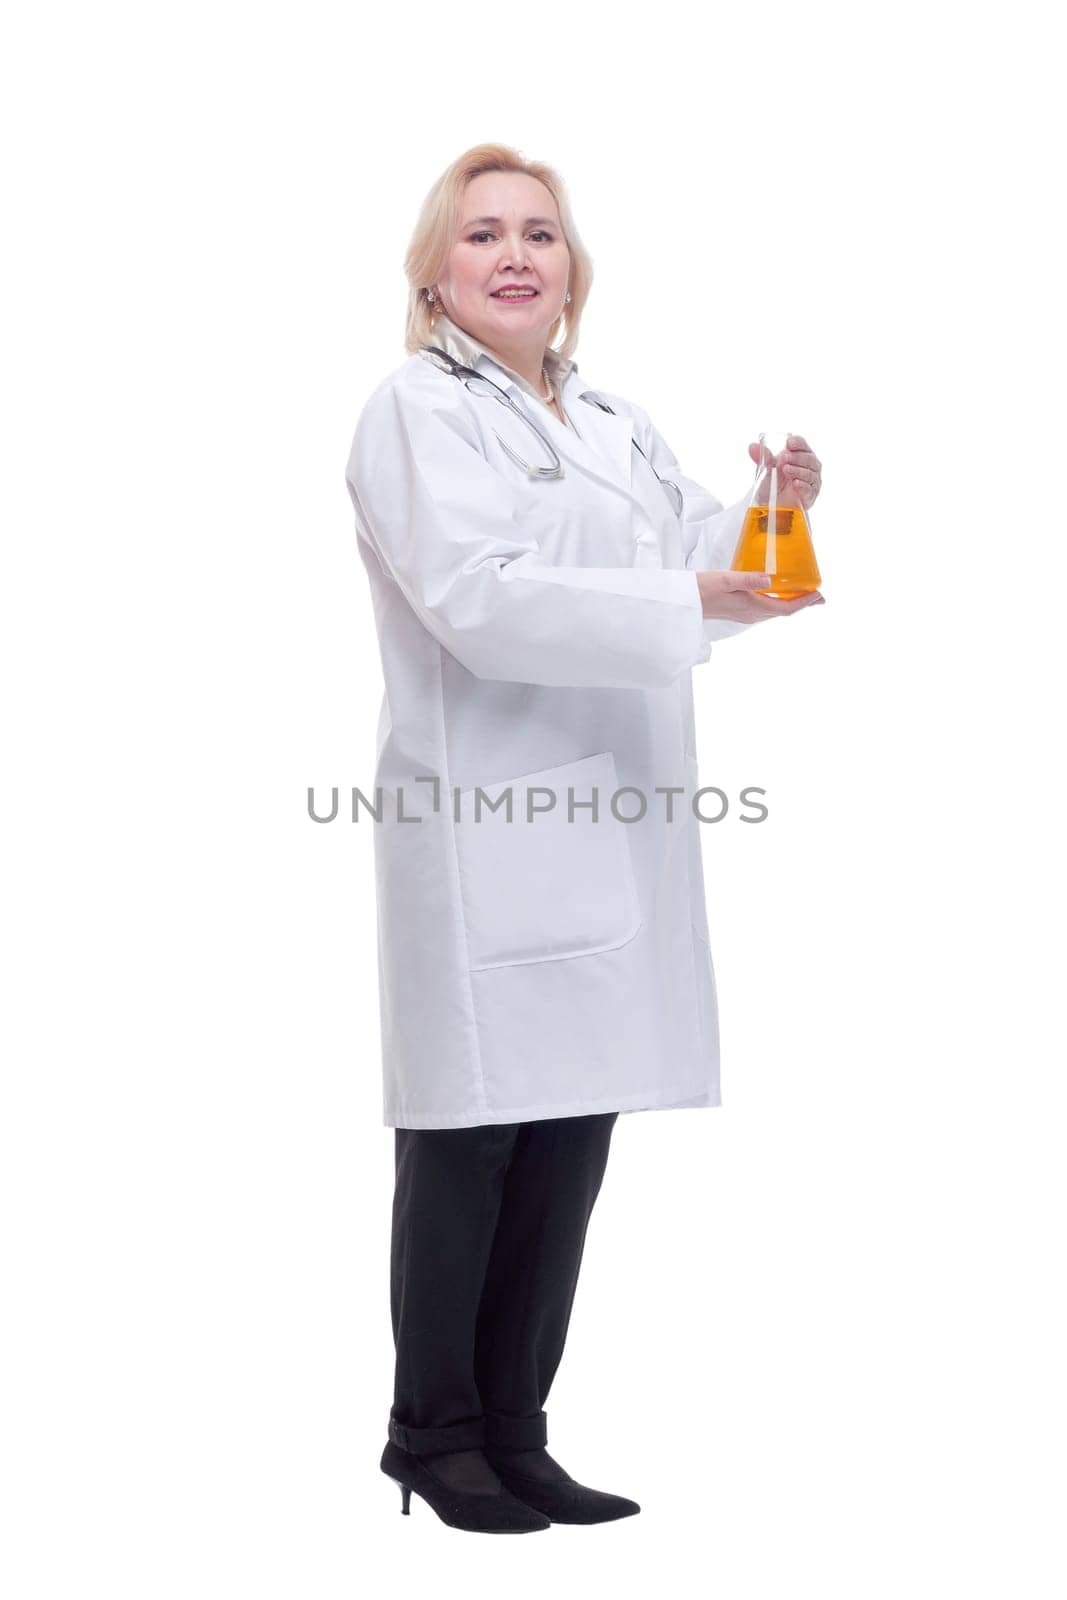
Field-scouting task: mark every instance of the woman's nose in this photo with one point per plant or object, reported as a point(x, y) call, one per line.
point(515, 252)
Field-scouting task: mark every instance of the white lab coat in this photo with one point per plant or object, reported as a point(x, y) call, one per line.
point(535, 636)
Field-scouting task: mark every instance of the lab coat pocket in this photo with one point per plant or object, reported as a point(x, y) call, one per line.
point(697, 906)
point(538, 886)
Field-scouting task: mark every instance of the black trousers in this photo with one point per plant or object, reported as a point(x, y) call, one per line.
point(489, 1227)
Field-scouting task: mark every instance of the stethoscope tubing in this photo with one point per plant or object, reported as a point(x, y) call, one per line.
point(464, 374)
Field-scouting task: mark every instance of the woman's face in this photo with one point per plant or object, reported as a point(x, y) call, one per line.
point(509, 236)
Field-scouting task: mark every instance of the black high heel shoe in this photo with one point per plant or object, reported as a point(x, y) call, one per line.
point(479, 1513)
point(554, 1492)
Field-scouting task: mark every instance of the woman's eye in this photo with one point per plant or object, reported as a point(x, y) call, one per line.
point(484, 233)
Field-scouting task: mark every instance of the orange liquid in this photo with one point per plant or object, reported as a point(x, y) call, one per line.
point(791, 558)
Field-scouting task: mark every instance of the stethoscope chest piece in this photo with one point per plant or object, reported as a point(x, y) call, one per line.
point(537, 474)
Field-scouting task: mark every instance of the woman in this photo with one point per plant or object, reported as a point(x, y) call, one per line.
point(541, 594)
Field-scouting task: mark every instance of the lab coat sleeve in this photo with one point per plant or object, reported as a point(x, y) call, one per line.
point(445, 525)
point(710, 531)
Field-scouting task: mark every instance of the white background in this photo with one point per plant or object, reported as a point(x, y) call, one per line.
point(819, 1331)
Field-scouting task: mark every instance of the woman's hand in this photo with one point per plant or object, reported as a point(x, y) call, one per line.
point(798, 468)
point(728, 596)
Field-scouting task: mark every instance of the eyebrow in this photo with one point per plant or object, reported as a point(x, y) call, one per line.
point(475, 220)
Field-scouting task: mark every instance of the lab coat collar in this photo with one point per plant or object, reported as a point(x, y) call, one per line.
point(463, 346)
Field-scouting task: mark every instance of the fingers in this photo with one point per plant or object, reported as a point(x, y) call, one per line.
point(799, 468)
point(765, 458)
point(736, 597)
point(746, 580)
point(800, 464)
point(785, 608)
point(798, 448)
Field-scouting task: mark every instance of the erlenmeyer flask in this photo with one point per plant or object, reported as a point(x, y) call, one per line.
point(776, 534)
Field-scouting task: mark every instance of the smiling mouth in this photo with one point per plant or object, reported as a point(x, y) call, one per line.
point(514, 294)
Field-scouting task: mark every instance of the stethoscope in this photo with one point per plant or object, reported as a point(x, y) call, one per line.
point(492, 391)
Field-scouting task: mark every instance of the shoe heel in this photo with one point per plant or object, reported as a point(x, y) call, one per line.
point(405, 1497)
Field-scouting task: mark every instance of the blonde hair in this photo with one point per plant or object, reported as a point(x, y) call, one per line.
point(435, 234)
